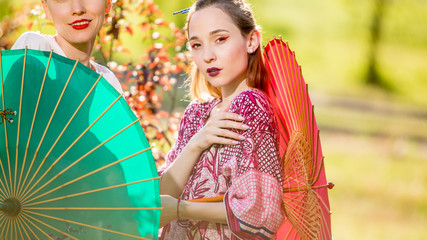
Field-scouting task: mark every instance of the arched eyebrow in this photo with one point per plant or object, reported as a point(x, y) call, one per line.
point(211, 33)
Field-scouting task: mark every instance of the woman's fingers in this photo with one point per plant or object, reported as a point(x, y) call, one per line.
point(227, 124)
point(229, 134)
point(225, 141)
point(226, 115)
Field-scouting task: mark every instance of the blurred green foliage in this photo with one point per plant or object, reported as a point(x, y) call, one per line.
point(374, 140)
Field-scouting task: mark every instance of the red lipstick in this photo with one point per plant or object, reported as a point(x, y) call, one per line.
point(80, 24)
point(213, 71)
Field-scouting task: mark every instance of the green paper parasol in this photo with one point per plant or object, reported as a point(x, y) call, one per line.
point(75, 163)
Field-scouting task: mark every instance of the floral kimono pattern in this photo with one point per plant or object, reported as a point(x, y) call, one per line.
point(249, 174)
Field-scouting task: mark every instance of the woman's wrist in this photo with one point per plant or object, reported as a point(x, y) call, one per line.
point(203, 211)
point(193, 147)
point(182, 209)
point(177, 208)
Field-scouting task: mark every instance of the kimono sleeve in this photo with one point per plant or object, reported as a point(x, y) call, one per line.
point(254, 199)
point(181, 141)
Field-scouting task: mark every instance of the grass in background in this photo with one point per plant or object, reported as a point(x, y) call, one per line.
point(373, 153)
point(377, 195)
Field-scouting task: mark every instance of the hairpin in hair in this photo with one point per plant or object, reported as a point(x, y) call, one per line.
point(183, 11)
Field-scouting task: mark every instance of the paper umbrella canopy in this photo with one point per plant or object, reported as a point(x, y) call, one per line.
point(75, 162)
point(305, 190)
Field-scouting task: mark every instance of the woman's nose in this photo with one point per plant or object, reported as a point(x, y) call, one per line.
point(209, 55)
point(78, 7)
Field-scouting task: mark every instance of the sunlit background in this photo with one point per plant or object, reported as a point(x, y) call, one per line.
point(366, 66)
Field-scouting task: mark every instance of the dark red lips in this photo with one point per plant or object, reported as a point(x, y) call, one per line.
point(212, 72)
point(80, 24)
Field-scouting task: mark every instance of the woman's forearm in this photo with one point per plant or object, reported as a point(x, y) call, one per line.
point(211, 212)
point(175, 177)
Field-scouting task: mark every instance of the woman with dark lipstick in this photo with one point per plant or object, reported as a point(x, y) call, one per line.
point(226, 155)
point(77, 23)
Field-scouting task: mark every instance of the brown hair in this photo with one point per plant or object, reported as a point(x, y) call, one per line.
point(242, 16)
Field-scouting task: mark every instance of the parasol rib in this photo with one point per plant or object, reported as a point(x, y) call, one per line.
point(3, 222)
point(6, 227)
point(92, 191)
point(69, 122)
point(81, 135)
point(279, 77)
point(309, 119)
point(18, 227)
point(86, 225)
point(19, 124)
point(306, 116)
point(315, 148)
point(14, 228)
point(323, 232)
point(276, 94)
point(321, 163)
point(51, 227)
point(28, 220)
point(303, 223)
point(72, 118)
point(297, 222)
point(289, 233)
point(75, 162)
point(47, 128)
point(323, 202)
point(24, 223)
point(23, 227)
point(2, 194)
point(32, 123)
point(89, 174)
point(300, 224)
point(282, 136)
point(285, 94)
point(11, 229)
point(8, 190)
point(290, 66)
point(92, 208)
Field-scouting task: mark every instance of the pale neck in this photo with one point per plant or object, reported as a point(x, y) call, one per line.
point(229, 93)
point(82, 52)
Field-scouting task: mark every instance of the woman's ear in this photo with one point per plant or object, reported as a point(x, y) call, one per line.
point(108, 6)
point(46, 10)
point(254, 40)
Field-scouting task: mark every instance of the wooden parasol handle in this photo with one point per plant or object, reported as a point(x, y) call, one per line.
point(209, 199)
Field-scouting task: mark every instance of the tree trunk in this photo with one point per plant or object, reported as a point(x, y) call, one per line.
point(373, 76)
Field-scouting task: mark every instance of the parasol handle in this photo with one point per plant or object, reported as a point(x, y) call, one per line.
point(330, 185)
point(10, 207)
point(209, 199)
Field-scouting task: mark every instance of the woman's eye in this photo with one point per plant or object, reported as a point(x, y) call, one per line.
point(195, 45)
point(221, 39)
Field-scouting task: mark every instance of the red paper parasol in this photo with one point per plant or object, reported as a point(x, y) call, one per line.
point(305, 193)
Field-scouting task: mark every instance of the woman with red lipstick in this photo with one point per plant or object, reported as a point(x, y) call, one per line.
point(77, 23)
point(226, 154)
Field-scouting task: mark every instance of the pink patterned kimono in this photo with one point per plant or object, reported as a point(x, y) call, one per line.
point(248, 174)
